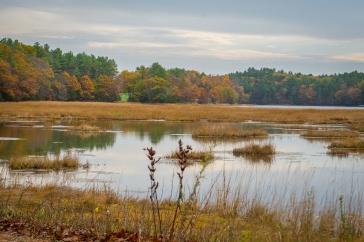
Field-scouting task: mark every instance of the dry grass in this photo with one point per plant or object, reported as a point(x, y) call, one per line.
point(196, 156)
point(346, 146)
point(92, 215)
point(255, 152)
point(68, 161)
point(358, 126)
point(228, 132)
point(330, 134)
point(355, 144)
point(85, 128)
point(175, 112)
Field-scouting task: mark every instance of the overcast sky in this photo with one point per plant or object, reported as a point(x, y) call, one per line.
point(309, 36)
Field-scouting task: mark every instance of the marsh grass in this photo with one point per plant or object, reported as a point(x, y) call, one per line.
point(99, 214)
point(67, 161)
point(348, 144)
point(256, 152)
point(358, 126)
point(330, 134)
point(195, 156)
point(227, 132)
point(85, 128)
point(174, 112)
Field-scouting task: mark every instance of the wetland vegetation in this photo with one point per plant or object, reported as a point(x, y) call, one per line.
point(350, 145)
point(330, 134)
point(67, 161)
point(196, 156)
point(256, 152)
point(176, 112)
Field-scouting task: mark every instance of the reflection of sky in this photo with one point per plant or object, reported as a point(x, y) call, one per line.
point(300, 165)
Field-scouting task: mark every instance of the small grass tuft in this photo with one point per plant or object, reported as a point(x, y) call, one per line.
point(255, 152)
point(68, 161)
point(196, 156)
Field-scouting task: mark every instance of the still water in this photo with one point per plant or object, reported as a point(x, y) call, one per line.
point(118, 161)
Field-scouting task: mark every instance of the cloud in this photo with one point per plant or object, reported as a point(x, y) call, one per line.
point(224, 46)
point(359, 57)
point(138, 45)
point(132, 37)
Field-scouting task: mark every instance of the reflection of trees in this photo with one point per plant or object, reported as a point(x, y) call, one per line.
point(32, 141)
point(155, 131)
point(82, 140)
point(39, 141)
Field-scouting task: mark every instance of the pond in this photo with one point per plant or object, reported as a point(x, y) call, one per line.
point(117, 159)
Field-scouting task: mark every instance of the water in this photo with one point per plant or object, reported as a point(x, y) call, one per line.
point(305, 107)
point(118, 161)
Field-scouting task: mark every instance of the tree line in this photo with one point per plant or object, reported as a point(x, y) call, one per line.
point(39, 73)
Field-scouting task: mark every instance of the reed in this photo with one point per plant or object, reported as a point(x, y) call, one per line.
point(64, 214)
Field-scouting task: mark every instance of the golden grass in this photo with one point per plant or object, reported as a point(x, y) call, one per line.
point(85, 128)
point(255, 152)
point(358, 126)
point(68, 161)
point(355, 144)
point(196, 156)
point(175, 112)
point(330, 134)
point(226, 131)
point(97, 214)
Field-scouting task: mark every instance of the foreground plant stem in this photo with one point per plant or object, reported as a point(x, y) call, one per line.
point(153, 190)
point(182, 164)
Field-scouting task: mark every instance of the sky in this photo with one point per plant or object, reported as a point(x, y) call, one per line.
point(308, 36)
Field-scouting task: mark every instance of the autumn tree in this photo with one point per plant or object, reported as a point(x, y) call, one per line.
point(107, 89)
point(87, 88)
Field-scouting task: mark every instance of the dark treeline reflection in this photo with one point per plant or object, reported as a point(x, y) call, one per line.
point(40, 141)
point(153, 130)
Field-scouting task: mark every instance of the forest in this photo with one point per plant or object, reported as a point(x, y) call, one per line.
point(36, 72)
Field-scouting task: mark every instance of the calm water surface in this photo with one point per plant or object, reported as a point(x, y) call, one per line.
point(117, 158)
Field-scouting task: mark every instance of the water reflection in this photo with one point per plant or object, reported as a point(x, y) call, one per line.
point(40, 141)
